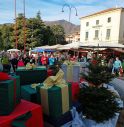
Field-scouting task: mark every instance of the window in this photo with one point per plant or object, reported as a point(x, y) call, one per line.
point(87, 23)
point(109, 19)
point(108, 32)
point(97, 22)
point(96, 34)
point(86, 35)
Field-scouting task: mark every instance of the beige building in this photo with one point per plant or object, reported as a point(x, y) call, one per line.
point(104, 26)
point(74, 37)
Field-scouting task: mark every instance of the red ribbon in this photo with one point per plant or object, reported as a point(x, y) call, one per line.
point(14, 79)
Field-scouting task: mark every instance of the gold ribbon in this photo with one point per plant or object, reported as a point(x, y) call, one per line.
point(55, 80)
point(48, 83)
point(35, 85)
point(30, 66)
point(67, 62)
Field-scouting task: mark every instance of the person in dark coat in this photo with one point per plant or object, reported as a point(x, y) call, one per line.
point(26, 59)
point(14, 62)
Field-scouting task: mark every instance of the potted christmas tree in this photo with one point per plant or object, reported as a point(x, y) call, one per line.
point(98, 104)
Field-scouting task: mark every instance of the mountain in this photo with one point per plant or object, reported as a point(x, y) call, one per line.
point(68, 27)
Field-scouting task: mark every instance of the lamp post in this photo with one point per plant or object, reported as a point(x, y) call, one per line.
point(16, 39)
point(70, 9)
point(24, 27)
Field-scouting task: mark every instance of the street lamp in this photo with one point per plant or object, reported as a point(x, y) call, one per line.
point(70, 9)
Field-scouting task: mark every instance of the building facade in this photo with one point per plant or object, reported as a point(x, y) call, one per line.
point(74, 37)
point(104, 26)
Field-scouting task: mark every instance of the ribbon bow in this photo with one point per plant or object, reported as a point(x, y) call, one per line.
point(35, 85)
point(30, 66)
point(55, 80)
point(69, 62)
point(21, 120)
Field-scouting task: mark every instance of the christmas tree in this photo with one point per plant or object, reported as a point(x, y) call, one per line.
point(98, 74)
point(98, 104)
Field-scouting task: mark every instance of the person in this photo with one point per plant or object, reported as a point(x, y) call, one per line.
point(89, 55)
point(116, 66)
point(51, 60)
point(14, 62)
point(26, 59)
point(44, 59)
point(32, 60)
point(5, 62)
point(20, 62)
point(1, 67)
point(110, 64)
point(122, 70)
point(39, 59)
point(83, 59)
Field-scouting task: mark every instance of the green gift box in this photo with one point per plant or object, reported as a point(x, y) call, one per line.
point(56, 99)
point(28, 93)
point(9, 95)
point(35, 75)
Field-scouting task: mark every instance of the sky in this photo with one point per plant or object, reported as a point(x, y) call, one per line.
point(51, 10)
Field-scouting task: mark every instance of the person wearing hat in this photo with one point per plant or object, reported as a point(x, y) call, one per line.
point(1, 67)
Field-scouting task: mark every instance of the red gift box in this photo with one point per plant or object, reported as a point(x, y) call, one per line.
point(36, 119)
point(49, 72)
point(75, 90)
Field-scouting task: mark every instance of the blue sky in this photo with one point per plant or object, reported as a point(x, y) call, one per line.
point(51, 9)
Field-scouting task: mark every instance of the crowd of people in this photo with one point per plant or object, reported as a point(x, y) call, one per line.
point(11, 61)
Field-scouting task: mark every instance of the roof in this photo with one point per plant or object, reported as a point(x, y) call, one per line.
point(103, 11)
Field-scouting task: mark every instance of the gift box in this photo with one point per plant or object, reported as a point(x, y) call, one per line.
point(26, 114)
point(55, 95)
point(9, 95)
point(35, 75)
point(28, 93)
point(49, 72)
point(59, 121)
point(71, 71)
point(75, 90)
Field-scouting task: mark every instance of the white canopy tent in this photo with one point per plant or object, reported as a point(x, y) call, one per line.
point(13, 50)
point(55, 46)
point(50, 47)
point(43, 47)
point(102, 45)
point(73, 45)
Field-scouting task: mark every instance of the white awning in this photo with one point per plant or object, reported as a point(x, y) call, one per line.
point(102, 45)
point(13, 50)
